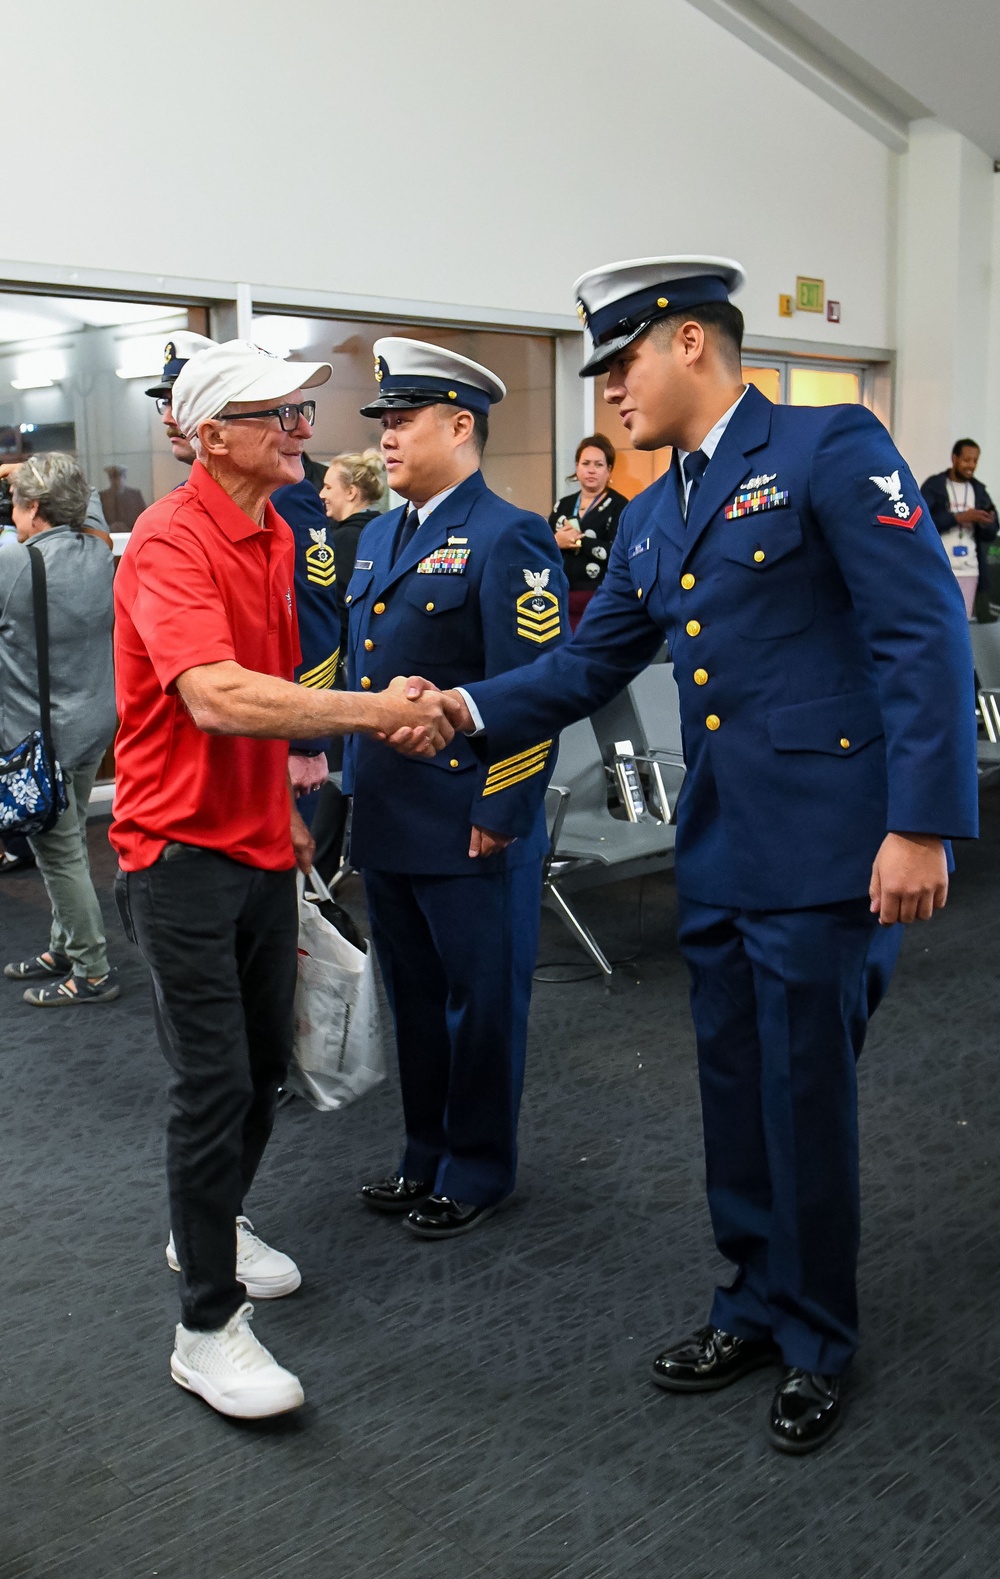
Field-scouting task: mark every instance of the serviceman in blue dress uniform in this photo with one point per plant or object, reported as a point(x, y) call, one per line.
point(821, 652)
point(462, 585)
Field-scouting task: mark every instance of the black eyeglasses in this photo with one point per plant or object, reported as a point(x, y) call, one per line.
point(163, 404)
point(288, 415)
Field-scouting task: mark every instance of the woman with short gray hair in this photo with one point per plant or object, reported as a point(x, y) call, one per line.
point(50, 500)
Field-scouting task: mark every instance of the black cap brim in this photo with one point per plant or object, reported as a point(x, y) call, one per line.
point(159, 391)
point(602, 356)
point(403, 403)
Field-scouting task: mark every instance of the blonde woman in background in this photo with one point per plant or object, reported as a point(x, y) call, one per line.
point(352, 494)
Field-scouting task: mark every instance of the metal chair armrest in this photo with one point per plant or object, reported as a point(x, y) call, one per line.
point(989, 711)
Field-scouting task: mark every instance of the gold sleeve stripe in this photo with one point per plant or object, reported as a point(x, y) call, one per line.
point(514, 775)
point(324, 674)
point(517, 777)
point(521, 756)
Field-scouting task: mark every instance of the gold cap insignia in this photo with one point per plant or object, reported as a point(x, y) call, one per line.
point(378, 369)
point(169, 351)
point(581, 312)
point(662, 301)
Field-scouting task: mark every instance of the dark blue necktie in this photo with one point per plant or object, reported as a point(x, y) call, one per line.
point(694, 471)
point(410, 523)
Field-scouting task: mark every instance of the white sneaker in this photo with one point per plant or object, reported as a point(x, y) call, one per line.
point(232, 1371)
point(264, 1273)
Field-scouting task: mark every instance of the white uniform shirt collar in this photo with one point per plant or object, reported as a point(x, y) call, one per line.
point(709, 443)
point(432, 504)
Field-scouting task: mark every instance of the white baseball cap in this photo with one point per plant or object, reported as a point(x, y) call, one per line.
point(236, 370)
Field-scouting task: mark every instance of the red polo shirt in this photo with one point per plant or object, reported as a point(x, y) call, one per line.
point(200, 582)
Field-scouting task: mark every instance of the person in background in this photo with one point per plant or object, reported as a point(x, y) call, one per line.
point(585, 522)
point(50, 501)
point(354, 485)
point(966, 517)
point(183, 344)
point(206, 643)
point(122, 506)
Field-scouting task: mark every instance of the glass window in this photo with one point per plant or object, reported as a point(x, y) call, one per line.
point(519, 457)
point(72, 377)
point(766, 379)
point(823, 386)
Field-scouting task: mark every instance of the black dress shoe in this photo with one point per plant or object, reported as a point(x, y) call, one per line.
point(394, 1194)
point(710, 1359)
point(806, 1411)
point(442, 1218)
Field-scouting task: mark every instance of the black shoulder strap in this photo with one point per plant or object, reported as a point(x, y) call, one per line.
point(40, 604)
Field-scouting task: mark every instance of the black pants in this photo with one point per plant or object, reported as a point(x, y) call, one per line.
point(220, 940)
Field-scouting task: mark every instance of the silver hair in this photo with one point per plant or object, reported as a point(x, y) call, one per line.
point(56, 484)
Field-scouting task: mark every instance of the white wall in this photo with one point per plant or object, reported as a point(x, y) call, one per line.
point(481, 154)
point(947, 299)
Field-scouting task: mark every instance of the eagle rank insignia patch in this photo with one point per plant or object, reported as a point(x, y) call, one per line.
point(320, 566)
point(903, 514)
point(538, 617)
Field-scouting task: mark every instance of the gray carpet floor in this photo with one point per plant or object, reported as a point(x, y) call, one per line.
point(482, 1410)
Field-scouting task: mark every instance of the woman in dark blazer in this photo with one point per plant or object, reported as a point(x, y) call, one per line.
point(585, 522)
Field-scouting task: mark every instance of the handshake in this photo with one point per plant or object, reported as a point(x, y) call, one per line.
point(417, 719)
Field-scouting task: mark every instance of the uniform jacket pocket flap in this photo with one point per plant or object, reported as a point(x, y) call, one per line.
point(839, 725)
point(760, 541)
point(437, 594)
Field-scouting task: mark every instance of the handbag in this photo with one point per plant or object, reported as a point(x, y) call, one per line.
point(339, 1049)
point(32, 788)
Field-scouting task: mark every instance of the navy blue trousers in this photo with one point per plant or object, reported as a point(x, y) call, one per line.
point(781, 1002)
point(457, 955)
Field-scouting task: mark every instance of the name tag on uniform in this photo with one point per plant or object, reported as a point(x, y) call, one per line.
point(363, 564)
point(638, 548)
point(751, 501)
point(445, 562)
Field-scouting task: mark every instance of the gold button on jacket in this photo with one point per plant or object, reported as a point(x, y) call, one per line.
point(429, 607)
point(845, 743)
point(693, 628)
point(366, 684)
point(369, 644)
point(379, 608)
point(701, 677)
point(760, 556)
point(712, 721)
point(453, 763)
point(687, 581)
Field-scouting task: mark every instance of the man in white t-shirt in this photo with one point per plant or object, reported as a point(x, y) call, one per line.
point(964, 514)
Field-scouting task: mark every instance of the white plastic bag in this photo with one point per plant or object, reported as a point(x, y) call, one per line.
point(339, 1051)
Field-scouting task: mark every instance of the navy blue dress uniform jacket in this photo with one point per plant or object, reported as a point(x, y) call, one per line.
point(478, 592)
point(315, 590)
point(820, 648)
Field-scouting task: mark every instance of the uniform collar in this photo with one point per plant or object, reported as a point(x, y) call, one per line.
point(224, 511)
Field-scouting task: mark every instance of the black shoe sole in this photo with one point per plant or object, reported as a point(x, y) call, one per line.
point(391, 1208)
point(798, 1449)
point(713, 1385)
point(451, 1233)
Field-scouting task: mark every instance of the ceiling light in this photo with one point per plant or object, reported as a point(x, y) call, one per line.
point(39, 370)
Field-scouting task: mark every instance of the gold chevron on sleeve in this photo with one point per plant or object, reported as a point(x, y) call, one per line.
point(322, 677)
point(514, 770)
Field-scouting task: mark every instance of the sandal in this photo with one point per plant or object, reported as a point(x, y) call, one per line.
point(39, 968)
point(73, 991)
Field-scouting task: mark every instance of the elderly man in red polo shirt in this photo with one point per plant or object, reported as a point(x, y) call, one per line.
point(208, 836)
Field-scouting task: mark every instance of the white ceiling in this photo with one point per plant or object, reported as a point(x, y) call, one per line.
point(905, 58)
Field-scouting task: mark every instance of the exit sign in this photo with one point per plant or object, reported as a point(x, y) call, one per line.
point(810, 295)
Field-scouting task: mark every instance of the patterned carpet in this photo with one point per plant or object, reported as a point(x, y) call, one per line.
point(483, 1408)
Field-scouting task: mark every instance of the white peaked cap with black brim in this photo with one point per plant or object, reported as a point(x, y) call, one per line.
point(411, 373)
point(619, 301)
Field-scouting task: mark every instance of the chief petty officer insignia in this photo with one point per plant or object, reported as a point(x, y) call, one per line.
point(320, 566)
point(537, 610)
